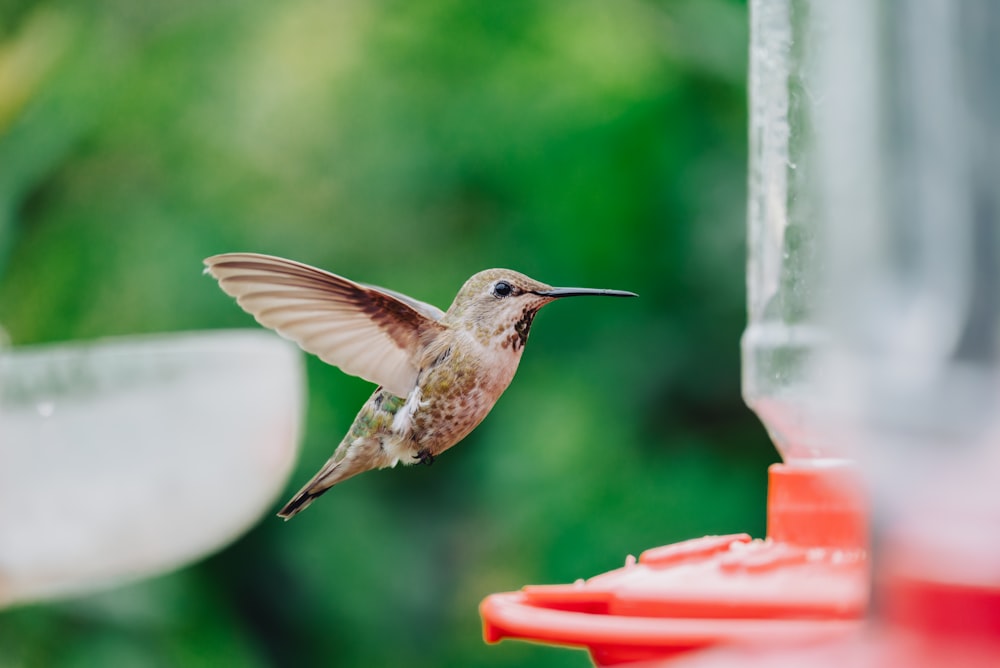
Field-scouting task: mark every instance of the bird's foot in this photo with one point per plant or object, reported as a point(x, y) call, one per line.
point(425, 457)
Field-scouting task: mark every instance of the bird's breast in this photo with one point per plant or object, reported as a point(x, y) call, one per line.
point(457, 395)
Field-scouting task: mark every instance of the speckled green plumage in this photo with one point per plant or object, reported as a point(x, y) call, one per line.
point(376, 415)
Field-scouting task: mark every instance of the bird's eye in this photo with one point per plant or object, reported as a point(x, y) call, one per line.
point(502, 289)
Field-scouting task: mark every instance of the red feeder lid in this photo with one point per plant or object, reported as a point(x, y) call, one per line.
point(807, 581)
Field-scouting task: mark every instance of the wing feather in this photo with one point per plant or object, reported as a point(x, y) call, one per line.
point(364, 330)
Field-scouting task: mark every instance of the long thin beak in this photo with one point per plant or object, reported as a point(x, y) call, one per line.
point(557, 293)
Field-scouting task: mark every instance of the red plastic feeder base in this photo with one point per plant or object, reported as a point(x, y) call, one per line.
point(922, 624)
point(808, 581)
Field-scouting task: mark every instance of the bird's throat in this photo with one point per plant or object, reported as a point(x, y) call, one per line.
point(521, 328)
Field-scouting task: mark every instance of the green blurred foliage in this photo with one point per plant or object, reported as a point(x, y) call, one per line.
point(407, 144)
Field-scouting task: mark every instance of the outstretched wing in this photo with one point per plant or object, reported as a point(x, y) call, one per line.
point(363, 330)
point(429, 310)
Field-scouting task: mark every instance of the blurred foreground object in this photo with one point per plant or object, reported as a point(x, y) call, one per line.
point(124, 458)
point(906, 158)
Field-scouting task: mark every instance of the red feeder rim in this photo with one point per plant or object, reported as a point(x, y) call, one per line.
point(808, 581)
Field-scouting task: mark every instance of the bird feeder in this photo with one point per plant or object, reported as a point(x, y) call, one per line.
point(807, 580)
point(871, 356)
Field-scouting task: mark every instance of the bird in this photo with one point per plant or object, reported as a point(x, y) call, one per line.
point(439, 373)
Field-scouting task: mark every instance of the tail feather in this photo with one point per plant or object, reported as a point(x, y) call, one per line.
point(327, 477)
point(299, 503)
point(333, 471)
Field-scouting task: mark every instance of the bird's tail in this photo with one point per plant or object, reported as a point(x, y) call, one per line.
point(333, 471)
point(300, 502)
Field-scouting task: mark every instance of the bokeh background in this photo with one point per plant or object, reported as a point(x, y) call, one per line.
point(407, 144)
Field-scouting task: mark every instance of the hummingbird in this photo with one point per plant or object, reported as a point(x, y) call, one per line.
point(439, 373)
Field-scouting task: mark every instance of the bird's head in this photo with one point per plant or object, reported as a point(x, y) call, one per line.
point(500, 304)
